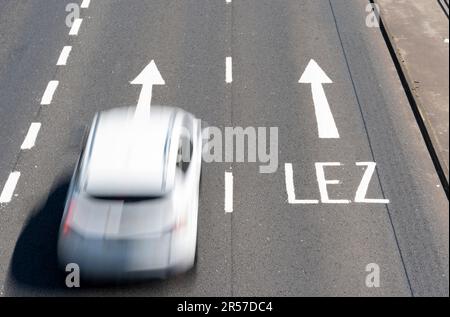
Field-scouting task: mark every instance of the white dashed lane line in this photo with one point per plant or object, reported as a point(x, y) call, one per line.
point(30, 139)
point(228, 192)
point(85, 4)
point(49, 92)
point(32, 134)
point(62, 60)
point(75, 27)
point(10, 186)
point(228, 70)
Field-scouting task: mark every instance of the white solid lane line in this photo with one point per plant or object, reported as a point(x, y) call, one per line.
point(228, 192)
point(85, 4)
point(229, 70)
point(49, 91)
point(75, 27)
point(10, 186)
point(228, 1)
point(62, 60)
point(32, 134)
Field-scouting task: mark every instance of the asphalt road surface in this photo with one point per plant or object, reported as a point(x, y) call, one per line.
point(269, 244)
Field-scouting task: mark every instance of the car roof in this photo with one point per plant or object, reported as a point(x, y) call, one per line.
point(128, 156)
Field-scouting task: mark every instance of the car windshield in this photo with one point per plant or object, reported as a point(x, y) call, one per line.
point(129, 160)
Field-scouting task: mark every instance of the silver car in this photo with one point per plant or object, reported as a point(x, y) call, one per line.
point(132, 204)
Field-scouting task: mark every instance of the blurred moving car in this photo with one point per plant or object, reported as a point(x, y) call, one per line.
point(132, 205)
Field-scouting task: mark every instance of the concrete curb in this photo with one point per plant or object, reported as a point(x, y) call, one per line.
point(432, 117)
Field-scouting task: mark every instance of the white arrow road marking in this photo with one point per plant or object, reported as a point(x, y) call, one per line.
point(228, 192)
point(62, 60)
point(315, 76)
point(85, 4)
point(75, 27)
point(10, 186)
point(49, 91)
point(32, 134)
point(149, 76)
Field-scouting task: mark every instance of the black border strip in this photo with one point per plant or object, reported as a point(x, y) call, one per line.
point(444, 6)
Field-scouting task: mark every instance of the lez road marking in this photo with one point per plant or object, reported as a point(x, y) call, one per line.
point(10, 186)
point(229, 70)
point(30, 139)
point(289, 177)
point(62, 60)
point(228, 192)
point(75, 27)
point(315, 76)
point(148, 77)
point(49, 91)
point(85, 4)
point(323, 182)
point(361, 192)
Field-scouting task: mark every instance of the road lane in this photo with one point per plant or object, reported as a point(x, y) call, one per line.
point(99, 78)
point(324, 249)
point(265, 246)
point(28, 52)
point(305, 250)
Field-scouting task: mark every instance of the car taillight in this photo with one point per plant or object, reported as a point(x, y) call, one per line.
point(68, 220)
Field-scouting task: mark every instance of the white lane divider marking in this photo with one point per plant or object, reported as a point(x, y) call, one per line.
point(62, 60)
point(32, 134)
point(49, 92)
point(315, 76)
point(289, 178)
point(228, 1)
point(85, 4)
point(75, 27)
point(228, 192)
point(10, 186)
point(229, 70)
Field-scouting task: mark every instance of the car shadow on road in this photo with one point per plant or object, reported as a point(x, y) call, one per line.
point(34, 261)
point(34, 268)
